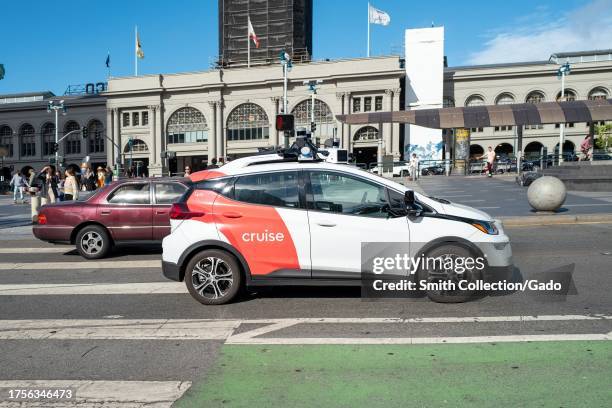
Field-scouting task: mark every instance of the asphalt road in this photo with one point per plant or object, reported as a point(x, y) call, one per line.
point(118, 320)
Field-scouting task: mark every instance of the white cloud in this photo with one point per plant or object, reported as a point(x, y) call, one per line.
point(535, 36)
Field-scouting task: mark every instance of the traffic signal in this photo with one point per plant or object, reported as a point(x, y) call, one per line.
point(85, 132)
point(55, 148)
point(284, 122)
point(313, 127)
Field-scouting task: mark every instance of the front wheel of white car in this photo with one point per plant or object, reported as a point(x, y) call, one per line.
point(446, 278)
point(213, 277)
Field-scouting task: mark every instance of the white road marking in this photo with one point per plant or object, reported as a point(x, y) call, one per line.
point(117, 329)
point(80, 265)
point(587, 205)
point(92, 288)
point(103, 393)
point(46, 250)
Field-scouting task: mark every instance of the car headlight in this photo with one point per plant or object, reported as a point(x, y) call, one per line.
point(488, 228)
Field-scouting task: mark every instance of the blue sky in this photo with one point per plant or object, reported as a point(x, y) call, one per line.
point(48, 45)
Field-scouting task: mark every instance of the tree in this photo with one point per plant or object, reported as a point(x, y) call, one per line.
point(604, 136)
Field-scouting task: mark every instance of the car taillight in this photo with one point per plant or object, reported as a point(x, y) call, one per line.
point(180, 211)
point(42, 219)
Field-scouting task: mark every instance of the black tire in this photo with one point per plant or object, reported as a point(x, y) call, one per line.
point(93, 242)
point(212, 288)
point(439, 275)
point(404, 173)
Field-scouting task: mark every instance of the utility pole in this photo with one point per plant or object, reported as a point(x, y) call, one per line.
point(562, 72)
point(285, 60)
point(312, 87)
point(56, 106)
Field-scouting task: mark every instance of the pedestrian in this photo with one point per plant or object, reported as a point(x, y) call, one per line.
point(100, 177)
point(187, 171)
point(60, 185)
point(19, 184)
point(490, 156)
point(221, 161)
point(71, 185)
point(414, 167)
point(48, 192)
point(88, 178)
point(213, 164)
point(109, 176)
point(585, 148)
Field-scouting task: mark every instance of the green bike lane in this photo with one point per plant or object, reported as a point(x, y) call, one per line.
point(539, 374)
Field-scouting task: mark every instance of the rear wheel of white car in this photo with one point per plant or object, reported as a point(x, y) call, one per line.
point(93, 242)
point(438, 273)
point(405, 173)
point(213, 277)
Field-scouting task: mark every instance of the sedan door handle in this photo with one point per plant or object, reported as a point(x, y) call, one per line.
point(161, 212)
point(105, 212)
point(326, 224)
point(232, 214)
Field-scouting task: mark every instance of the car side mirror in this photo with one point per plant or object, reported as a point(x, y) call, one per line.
point(412, 209)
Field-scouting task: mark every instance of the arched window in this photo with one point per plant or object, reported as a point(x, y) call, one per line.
point(504, 99)
point(366, 134)
point(535, 97)
point(187, 125)
point(323, 117)
point(475, 100)
point(448, 102)
point(504, 149)
point(96, 137)
point(569, 95)
point(6, 139)
point(136, 146)
point(48, 138)
point(27, 136)
point(72, 144)
point(476, 150)
point(533, 150)
point(598, 93)
point(247, 122)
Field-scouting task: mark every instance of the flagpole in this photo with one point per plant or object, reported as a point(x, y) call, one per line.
point(135, 50)
point(108, 65)
point(368, 52)
point(248, 43)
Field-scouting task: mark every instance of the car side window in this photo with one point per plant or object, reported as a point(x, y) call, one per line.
point(133, 193)
point(343, 194)
point(397, 204)
point(279, 189)
point(167, 193)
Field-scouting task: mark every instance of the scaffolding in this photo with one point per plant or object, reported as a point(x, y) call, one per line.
point(280, 25)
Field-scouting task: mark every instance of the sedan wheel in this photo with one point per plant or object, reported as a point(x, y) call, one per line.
point(93, 242)
point(213, 277)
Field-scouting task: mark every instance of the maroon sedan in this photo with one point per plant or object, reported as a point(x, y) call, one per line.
point(126, 210)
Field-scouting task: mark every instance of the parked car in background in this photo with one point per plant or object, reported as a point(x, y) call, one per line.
point(400, 169)
point(435, 170)
point(127, 210)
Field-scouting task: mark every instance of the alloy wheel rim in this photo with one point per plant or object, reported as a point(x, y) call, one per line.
point(92, 243)
point(212, 278)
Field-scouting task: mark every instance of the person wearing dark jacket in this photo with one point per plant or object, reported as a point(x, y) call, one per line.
point(88, 178)
point(48, 180)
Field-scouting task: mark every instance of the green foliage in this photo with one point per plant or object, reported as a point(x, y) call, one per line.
point(604, 136)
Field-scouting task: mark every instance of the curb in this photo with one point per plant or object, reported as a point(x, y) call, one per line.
point(555, 219)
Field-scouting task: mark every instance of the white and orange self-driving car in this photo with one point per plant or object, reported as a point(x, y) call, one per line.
point(274, 219)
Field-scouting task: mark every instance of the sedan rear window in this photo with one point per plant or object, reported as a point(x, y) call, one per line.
point(130, 194)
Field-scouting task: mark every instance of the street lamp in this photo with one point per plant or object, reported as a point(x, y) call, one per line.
point(561, 73)
point(312, 87)
point(285, 60)
point(56, 106)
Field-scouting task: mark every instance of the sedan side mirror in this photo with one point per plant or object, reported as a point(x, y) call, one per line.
point(411, 206)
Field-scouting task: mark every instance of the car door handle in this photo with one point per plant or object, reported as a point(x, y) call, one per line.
point(232, 214)
point(326, 224)
point(105, 212)
point(161, 212)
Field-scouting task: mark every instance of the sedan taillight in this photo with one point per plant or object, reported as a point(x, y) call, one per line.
point(42, 219)
point(180, 211)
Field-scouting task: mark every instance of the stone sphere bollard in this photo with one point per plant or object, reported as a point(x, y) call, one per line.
point(546, 194)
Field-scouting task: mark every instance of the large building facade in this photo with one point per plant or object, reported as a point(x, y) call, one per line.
point(532, 82)
point(230, 112)
point(27, 130)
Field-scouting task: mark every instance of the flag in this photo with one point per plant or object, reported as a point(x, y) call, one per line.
point(108, 60)
point(378, 16)
point(252, 35)
point(2, 71)
point(139, 51)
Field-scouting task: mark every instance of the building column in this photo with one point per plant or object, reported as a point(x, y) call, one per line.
point(117, 135)
point(387, 133)
point(212, 139)
point(110, 148)
point(220, 151)
point(153, 135)
point(395, 133)
point(348, 134)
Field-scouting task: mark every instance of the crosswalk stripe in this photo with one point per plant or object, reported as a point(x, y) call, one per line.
point(92, 289)
point(117, 329)
point(43, 250)
point(93, 393)
point(80, 265)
